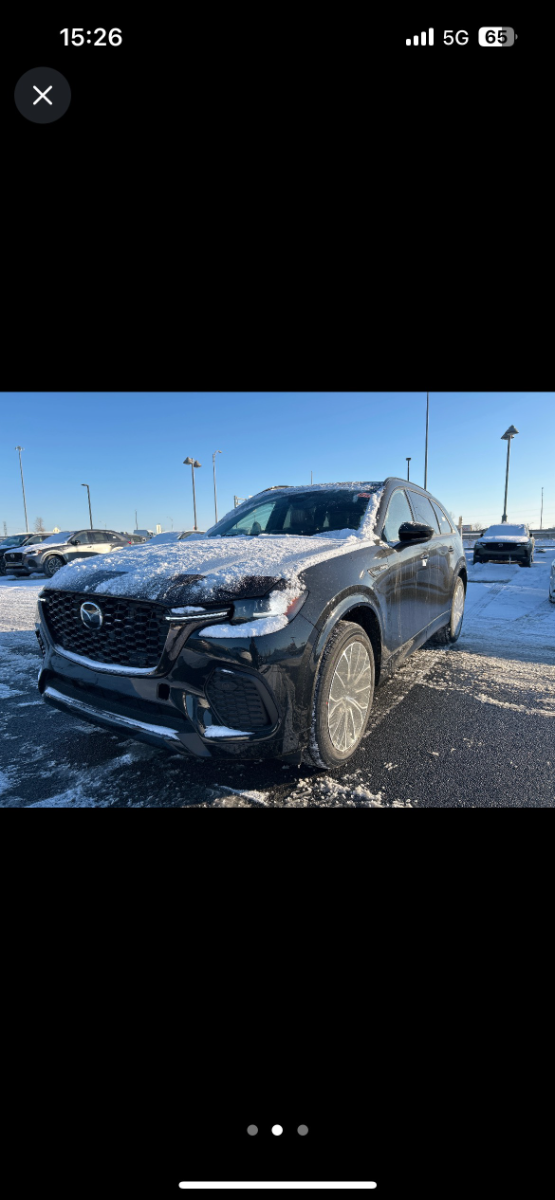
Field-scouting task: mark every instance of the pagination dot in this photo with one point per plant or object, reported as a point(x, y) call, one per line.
point(277, 1129)
point(302, 1129)
point(252, 1129)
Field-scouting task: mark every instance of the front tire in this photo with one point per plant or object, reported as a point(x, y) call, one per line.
point(343, 697)
point(53, 564)
point(452, 632)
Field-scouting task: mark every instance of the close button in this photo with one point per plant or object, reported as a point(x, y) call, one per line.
point(42, 95)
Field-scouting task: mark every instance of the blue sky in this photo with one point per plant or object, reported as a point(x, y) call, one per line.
point(129, 447)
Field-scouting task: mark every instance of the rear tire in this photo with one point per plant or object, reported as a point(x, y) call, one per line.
point(452, 631)
point(53, 564)
point(342, 698)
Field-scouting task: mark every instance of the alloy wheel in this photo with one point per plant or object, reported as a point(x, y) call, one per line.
point(457, 611)
point(349, 696)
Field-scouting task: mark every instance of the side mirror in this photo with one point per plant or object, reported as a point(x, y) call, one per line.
point(414, 531)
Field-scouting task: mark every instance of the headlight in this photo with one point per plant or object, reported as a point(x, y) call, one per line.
point(37, 614)
point(281, 601)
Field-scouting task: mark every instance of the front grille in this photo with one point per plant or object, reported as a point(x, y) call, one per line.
point(236, 701)
point(133, 632)
point(13, 558)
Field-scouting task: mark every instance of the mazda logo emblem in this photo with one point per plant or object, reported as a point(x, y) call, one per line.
point(91, 615)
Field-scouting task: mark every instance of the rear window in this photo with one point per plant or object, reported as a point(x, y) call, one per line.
point(444, 522)
point(423, 510)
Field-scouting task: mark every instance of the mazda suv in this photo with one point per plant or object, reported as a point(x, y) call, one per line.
point(267, 635)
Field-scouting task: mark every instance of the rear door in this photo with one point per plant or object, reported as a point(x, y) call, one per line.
point(405, 584)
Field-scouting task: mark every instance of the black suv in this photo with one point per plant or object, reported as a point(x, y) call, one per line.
point(502, 543)
point(267, 635)
point(15, 542)
point(62, 548)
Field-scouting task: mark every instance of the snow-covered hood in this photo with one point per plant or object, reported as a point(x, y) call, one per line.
point(211, 569)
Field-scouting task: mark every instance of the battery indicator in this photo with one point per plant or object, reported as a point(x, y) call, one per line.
point(496, 35)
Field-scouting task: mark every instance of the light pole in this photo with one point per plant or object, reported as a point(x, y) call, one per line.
point(510, 433)
point(426, 458)
point(408, 467)
point(214, 470)
point(20, 448)
point(192, 463)
point(89, 498)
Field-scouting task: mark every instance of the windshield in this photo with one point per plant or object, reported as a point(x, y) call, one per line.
point(507, 530)
point(59, 537)
point(300, 514)
point(14, 541)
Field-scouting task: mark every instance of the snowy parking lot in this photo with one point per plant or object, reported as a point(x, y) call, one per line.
point(465, 726)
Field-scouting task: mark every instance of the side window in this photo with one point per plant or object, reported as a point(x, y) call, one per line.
point(81, 539)
point(398, 512)
point(423, 510)
point(258, 518)
point(444, 523)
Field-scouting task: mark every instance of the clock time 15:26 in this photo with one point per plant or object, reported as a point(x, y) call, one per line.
point(82, 37)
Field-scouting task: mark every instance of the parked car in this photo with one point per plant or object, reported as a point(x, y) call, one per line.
point(62, 548)
point(172, 535)
point(144, 533)
point(552, 582)
point(17, 540)
point(502, 543)
point(270, 644)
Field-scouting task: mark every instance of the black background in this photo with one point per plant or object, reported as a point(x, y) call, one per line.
point(270, 199)
point(283, 198)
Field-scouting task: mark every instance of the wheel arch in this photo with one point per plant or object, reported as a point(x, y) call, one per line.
point(360, 611)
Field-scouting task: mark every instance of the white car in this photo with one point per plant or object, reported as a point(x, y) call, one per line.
point(552, 582)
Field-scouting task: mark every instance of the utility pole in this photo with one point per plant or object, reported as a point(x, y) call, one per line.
point(426, 458)
point(215, 495)
point(408, 467)
point(541, 514)
point(20, 448)
point(136, 521)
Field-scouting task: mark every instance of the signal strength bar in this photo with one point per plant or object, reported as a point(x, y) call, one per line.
point(422, 39)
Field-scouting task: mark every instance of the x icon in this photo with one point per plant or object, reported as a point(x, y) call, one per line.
point(41, 95)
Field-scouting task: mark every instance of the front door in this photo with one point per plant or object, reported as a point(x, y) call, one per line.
point(407, 579)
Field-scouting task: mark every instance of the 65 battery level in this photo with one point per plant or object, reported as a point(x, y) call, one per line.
point(496, 35)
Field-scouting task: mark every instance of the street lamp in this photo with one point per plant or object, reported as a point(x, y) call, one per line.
point(510, 433)
point(89, 497)
point(214, 470)
point(192, 463)
point(20, 448)
point(408, 467)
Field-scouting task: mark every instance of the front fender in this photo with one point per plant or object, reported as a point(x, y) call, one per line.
point(353, 600)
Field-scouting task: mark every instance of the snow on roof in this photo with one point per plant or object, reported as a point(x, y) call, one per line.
point(217, 562)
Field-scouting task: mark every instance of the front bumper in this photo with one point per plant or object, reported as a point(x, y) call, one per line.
point(518, 554)
point(17, 568)
point(200, 684)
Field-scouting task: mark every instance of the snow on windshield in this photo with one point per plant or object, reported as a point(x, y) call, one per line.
point(509, 530)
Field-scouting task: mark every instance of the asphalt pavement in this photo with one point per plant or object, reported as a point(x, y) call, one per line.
point(468, 726)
